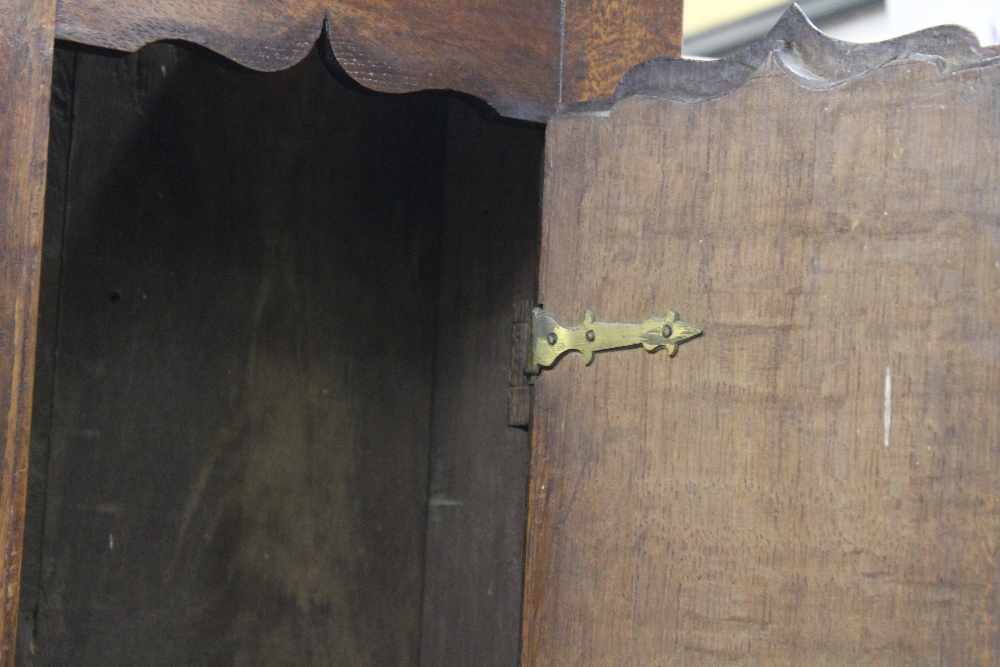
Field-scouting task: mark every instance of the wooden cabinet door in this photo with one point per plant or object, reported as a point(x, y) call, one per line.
point(816, 479)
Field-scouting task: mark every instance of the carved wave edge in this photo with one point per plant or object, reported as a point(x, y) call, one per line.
point(290, 45)
point(804, 53)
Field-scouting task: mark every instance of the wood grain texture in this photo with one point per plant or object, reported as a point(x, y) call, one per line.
point(26, 43)
point(238, 465)
point(505, 53)
point(606, 38)
point(479, 466)
point(523, 57)
point(813, 481)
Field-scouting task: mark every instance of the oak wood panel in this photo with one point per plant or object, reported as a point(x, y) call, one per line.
point(26, 43)
point(238, 463)
point(606, 38)
point(523, 57)
point(815, 480)
point(479, 465)
point(505, 53)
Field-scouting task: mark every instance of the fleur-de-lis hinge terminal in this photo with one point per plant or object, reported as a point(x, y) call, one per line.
point(551, 339)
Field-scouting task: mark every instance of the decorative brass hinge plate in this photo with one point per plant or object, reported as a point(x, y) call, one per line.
point(551, 339)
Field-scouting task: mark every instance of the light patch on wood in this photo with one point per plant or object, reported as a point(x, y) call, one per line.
point(887, 413)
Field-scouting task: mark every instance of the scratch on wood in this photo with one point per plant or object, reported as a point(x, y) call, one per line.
point(888, 404)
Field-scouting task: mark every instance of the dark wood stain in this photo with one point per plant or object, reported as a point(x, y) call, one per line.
point(510, 54)
point(479, 465)
point(26, 43)
point(814, 480)
point(241, 405)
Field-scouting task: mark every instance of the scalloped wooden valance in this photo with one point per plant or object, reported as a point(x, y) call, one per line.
point(523, 57)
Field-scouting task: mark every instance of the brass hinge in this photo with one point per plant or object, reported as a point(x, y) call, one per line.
point(551, 339)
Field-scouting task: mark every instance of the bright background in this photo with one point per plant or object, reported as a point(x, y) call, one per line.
point(715, 27)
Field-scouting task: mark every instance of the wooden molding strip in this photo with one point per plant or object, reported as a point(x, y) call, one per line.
point(26, 48)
